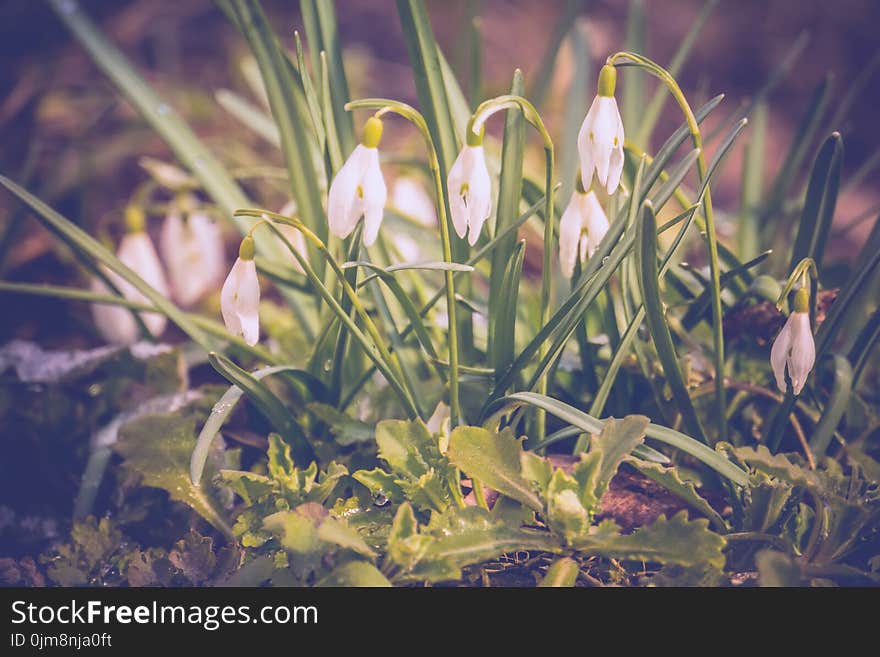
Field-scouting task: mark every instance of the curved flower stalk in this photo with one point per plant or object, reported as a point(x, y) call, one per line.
point(358, 190)
point(581, 228)
point(794, 350)
point(116, 324)
point(191, 245)
point(470, 189)
point(600, 140)
point(240, 296)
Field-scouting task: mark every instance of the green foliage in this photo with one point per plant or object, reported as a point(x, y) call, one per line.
point(323, 485)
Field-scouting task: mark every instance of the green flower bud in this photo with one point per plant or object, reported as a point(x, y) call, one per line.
point(607, 80)
point(372, 132)
point(474, 139)
point(802, 300)
point(247, 248)
point(135, 220)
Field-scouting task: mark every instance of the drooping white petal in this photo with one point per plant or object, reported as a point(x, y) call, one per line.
point(615, 164)
point(470, 192)
point(600, 144)
point(595, 222)
point(240, 301)
point(115, 323)
point(779, 354)
point(410, 197)
point(375, 193)
point(454, 183)
point(570, 234)
point(802, 353)
point(344, 203)
point(480, 200)
point(194, 255)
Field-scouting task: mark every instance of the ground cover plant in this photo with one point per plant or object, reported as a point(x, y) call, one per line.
point(473, 346)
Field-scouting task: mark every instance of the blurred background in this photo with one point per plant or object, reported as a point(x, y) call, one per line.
point(72, 140)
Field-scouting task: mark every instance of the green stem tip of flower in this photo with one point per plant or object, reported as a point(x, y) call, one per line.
point(802, 300)
point(607, 80)
point(247, 248)
point(372, 132)
point(475, 139)
point(135, 220)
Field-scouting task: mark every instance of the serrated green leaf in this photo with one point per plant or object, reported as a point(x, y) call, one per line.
point(461, 537)
point(608, 450)
point(562, 573)
point(668, 541)
point(359, 574)
point(495, 460)
point(407, 446)
point(250, 486)
point(381, 484)
point(406, 546)
point(566, 514)
point(670, 478)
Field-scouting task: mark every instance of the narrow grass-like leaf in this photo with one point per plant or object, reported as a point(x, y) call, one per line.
point(250, 115)
point(291, 114)
point(225, 405)
point(310, 94)
point(752, 183)
point(591, 425)
point(821, 199)
point(646, 257)
point(412, 314)
point(507, 208)
point(272, 408)
point(562, 573)
point(503, 340)
point(838, 402)
point(176, 133)
point(319, 18)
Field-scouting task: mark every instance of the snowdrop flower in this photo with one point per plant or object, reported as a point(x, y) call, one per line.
point(581, 228)
point(115, 323)
point(408, 196)
point(600, 140)
point(794, 347)
point(240, 296)
point(192, 248)
point(359, 188)
point(470, 189)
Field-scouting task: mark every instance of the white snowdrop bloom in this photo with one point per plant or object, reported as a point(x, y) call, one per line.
point(794, 348)
point(410, 197)
point(600, 140)
point(116, 323)
point(470, 189)
point(359, 188)
point(581, 229)
point(192, 249)
point(240, 296)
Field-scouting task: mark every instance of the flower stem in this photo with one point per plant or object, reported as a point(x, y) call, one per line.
point(714, 273)
point(384, 106)
point(475, 125)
